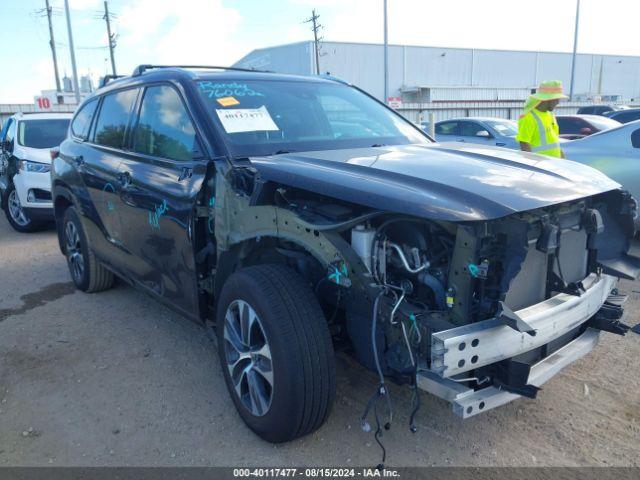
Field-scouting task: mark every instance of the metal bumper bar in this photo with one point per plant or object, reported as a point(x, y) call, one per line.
point(465, 348)
point(467, 402)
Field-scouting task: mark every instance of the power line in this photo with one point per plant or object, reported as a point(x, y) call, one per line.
point(316, 41)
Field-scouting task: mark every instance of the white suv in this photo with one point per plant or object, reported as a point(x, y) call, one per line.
point(25, 164)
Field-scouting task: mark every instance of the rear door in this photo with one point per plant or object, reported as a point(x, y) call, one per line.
point(97, 154)
point(162, 175)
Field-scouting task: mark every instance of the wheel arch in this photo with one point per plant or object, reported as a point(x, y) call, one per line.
point(267, 249)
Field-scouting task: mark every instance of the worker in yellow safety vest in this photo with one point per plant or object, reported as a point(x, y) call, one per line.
point(538, 130)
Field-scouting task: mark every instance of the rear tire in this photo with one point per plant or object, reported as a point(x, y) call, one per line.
point(17, 217)
point(279, 368)
point(87, 273)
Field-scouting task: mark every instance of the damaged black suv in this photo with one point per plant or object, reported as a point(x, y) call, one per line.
point(290, 213)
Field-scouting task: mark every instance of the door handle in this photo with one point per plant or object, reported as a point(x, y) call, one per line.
point(124, 179)
point(186, 172)
point(78, 160)
point(500, 144)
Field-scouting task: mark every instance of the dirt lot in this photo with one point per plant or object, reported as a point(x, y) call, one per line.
point(117, 379)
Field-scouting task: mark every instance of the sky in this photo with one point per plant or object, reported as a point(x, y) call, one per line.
point(220, 32)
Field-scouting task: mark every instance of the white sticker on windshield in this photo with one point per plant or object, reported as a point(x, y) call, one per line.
point(246, 120)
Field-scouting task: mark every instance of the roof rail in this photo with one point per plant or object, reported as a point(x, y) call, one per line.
point(140, 69)
point(107, 78)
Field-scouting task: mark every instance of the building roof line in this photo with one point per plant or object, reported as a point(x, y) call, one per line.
point(257, 50)
point(327, 42)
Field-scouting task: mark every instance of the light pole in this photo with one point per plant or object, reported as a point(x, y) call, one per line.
point(386, 57)
point(76, 87)
point(575, 49)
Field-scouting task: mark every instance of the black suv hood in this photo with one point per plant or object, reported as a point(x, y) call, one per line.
point(452, 182)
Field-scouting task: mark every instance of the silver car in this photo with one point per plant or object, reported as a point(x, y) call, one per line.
point(482, 130)
point(614, 152)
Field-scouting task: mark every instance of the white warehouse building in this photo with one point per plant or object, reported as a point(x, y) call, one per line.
point(417, 74)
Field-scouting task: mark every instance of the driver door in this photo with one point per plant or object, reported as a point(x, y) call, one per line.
point(161, 175)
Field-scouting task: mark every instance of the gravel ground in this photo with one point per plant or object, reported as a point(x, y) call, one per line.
point(117, 379)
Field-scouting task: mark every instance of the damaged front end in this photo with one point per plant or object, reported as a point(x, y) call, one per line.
point(480, 313)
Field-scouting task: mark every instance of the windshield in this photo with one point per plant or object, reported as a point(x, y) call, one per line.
point(508, 128)
point(263, 117)
point(42, 133)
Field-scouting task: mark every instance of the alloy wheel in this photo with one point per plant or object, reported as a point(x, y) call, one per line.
point(74, 251)
point(16, 211)
point(248, 357)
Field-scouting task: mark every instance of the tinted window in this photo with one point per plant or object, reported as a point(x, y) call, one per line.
point(262, 117)
point(585, 110)
point(42, 133)
point(447, 128)
point(82, 120)
point(114, 117)
point(635, 138)
point(626, 117)
point(602, 110)
point(570, 125)
point(603, 123)
point(164, 129)
point(470, 129)
point(508, 128)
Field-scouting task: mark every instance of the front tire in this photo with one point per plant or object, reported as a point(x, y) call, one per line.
point(16, 215)
point(87, 273)
point(276, 352)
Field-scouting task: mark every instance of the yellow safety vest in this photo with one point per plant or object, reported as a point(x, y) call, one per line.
point(540, 130)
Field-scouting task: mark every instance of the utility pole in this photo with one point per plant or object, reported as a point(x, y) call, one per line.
point(52, 44)
point(112, 39)
point(386, 56)
point(575, 49)
point(316, 41)
point(76, 87)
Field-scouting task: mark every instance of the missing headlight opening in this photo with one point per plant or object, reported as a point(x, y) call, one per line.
point(475, 312)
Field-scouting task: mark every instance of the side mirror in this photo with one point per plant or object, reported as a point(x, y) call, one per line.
point(54, 153)
point(6, 145)
point(586, 131)
point(483, 134)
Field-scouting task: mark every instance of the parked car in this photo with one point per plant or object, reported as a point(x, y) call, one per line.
point(614, 152)
point(600, 109)
point(577, 126)
point(25, 163)
point(228, 196)
point(625, 116)
point(484, 131)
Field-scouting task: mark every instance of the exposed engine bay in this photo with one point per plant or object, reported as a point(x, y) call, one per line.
point(478, 313)
point(428, 277)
